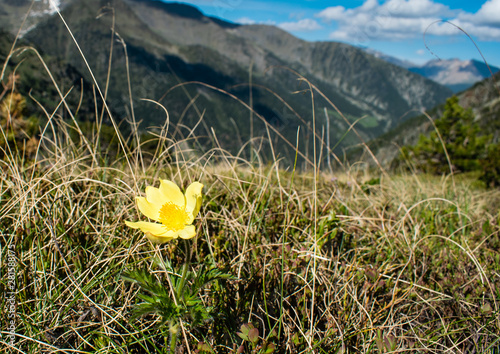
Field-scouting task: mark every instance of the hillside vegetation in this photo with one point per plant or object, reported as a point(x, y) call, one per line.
point(482, 100)
point(284, 260)
point(457, 145)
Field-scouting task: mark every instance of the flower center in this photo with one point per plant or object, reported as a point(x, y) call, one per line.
point(173, 217)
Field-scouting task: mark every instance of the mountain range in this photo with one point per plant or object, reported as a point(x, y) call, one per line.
point(235, 81)
point(458, 75)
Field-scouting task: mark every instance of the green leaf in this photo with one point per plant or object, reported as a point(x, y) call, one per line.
point(253, 335)
point(245, 331)
point(270, 348)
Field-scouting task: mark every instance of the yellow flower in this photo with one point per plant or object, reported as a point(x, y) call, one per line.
point(174, 211)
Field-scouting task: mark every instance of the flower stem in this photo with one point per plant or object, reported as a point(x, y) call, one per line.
point(174, 327)
point(185, 269)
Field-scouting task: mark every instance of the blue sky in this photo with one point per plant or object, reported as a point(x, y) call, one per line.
point(394, 27)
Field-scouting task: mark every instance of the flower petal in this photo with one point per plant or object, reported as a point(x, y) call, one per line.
point(152, 211)
point(172, 193)
point(153, 228)
point(155, 197)
point(157, 239)
point(188, 232)
point(193, 199)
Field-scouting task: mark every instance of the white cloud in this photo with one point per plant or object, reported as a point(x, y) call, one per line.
point(394, 20)
point(304, 25)
point(488, 14)
point(485, 32)
point(390, 8)
point(414, 8)
point(369, 5)
point(333, 13)
point(397, 20)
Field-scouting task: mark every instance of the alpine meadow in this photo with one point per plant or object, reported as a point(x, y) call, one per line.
point(174, 183)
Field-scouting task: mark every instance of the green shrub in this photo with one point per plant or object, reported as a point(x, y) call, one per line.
point(457, 143)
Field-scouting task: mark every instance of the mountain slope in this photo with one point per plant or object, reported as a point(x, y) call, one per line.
point(33, 80)
point(358, 89)
point(359, 80)
point(168, 45)
point(14, 12)
point(483, 99)
point(368, 82)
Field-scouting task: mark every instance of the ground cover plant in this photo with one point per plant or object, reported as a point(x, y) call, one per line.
point(349, 260)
